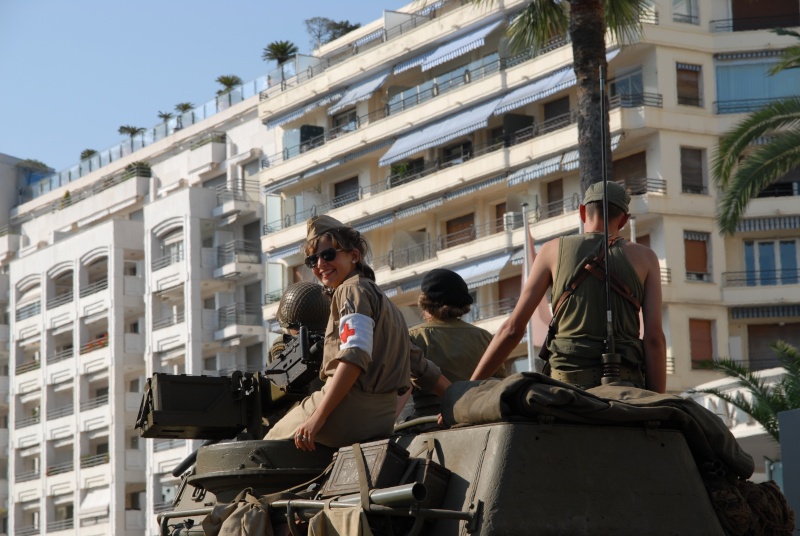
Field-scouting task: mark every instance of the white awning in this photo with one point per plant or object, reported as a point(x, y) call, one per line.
point(472, 188)
point(303, 110)
point(447, 51)
point(95, 503)
point(483, 272)
point(361, 91)
point(280, 253)
point(439, 132)
point(411, 285)
point(458, 47)
point(321, 168)
point(541, 88)
point(571, 160)
point(277, 186)
point(540, 169)
point(374, 223)
point(418, 209)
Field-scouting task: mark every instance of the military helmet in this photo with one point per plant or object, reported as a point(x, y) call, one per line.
point(304, 304)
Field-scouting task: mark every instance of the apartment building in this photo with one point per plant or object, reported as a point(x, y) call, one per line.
point(144, 258)
point(427, 133)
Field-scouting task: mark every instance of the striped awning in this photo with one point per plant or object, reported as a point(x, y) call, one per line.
point(439, 132)
point(483, 272)
point(286, 251)
point(472, 188)
point(768, 224)
point(377, 34)
point(374, 223)
point(390, 292)
point(765, 311)
point(306, 108)
point(321, 168)
point(361, 91)
point(540, 169)
point(571, 160)
point(411, 285)
point(280, 185)
point(417, 209)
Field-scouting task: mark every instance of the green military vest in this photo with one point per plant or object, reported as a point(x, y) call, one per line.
point(581, 321)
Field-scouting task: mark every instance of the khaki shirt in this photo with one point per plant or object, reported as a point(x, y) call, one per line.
point(394, 361)
point(456, 347)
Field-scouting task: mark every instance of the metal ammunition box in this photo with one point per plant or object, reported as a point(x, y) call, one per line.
point(385, 463)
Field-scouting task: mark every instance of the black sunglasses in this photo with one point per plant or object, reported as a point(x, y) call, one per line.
point(326, 255)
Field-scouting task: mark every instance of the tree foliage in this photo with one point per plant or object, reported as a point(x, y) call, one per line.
point(87, 153)
point(228, 83)
point(741, 170)
point(165, 116)
point(323, 30)
point(183, 107)
point(279, 51)
point(130, 130)
point(763, 402)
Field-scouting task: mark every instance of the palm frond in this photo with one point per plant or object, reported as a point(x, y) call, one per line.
point(763, 167)
point(537, 24)
point(623, 19)
point(776, 116)
point(789, 357)
point(759, 412)
point(746, 378)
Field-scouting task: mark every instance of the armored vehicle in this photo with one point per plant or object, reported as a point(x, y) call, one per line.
point(527, 455)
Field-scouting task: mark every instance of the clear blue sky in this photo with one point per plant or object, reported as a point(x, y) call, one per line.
point(73, 71)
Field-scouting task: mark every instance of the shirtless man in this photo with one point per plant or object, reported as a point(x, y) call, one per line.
point(579, 342)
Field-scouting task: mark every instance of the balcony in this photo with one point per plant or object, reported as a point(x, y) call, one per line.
point(59, 412)
point(94, 288)
point(27, 530)
point(27, 421)
point(759, 287)
point(741, 106)
point(28, 311)
point(60, 468)
point(167, 260)
point(238, 258)
point(59, 300)
point(170, 320)
point(237, 201)
point(62, 355)
point(761, 278)
point(160, 445)
point(94, 460)
point(27, 476)
point(491, 310)
point(65, 524)
point(93, 403)
point(244, 314)
point(28, 366)
point(159, 508)
point(748, 24)
point(96, 344)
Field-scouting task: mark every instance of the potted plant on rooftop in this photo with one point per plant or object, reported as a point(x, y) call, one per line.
point(139, 168)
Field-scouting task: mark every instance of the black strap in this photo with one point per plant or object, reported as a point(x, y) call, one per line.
point(363, 480)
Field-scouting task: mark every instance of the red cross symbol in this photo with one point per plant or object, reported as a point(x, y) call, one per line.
point(347, 331)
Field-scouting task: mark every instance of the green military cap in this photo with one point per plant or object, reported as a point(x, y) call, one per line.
point(616, 195)
point(319, 225)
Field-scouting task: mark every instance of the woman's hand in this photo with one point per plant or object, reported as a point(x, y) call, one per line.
point(306, 432)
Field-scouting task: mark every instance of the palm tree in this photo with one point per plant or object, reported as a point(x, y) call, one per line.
point(228, 82)
point(165, 116)
point(280, 51)
point(87, 153)
point(182, 108)
point(765, 401)
point(130, 130)
point(742, 180)
point(585, 21)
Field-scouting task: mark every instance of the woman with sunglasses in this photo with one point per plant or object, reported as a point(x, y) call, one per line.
point(368, 358)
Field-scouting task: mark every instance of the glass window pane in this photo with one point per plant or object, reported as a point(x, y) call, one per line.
point(766, 263)
point(788, 252)
point(750, 263)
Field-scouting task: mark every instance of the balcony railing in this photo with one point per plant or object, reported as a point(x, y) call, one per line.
point(167, 260)
point(491, 310)
point(686, 100)
point(666, 275)
point(60, 468)
point(63, 355)
point(208, 137)
point(635, 100)
point(781, 189)
point(96, 402)
point(243, 191)
point(758, 278)
point(160, 445)
point(274, 296)
point(26, 476)
point(94, 460)
point(94, 288)
point(684, 18)
point(644, 186)
point(742, 106)
point(93, 345)
point(556, 208)
point(28, 366)
point(244, 314)
point(244, 251)
point(746, 24)
point(62, 411)
point(59, 300)
point(65, 524)
point(28, 311)
point(699, 276)
point(27, 530)
point(159, 508)
point(27, 421)
point(170, 320)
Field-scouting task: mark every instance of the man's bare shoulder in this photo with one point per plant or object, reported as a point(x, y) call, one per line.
point(641, 257)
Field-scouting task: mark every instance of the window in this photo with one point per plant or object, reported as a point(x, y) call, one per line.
point(460, 230)
point(556, 114)
point(685, 11)
point(771, 262)
point(344, 122)
point(764, 14)
point(555, 199)
point(689, 84)
point(697, 259)
point(457, 154)
point(509, 291)
point(786, 186)
point(692, 181)
point(627, 84)
point(345, 192)
point(403, 172)
point(701, 341)
point(500, 211)
point(746, 86)
point(631, 171)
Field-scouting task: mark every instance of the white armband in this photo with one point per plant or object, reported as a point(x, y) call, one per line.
point(355, 331)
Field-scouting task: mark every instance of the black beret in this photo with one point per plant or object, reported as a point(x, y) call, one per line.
point(446, 287)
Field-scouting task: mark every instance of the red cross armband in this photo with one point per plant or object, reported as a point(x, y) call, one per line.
point(355, 331)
